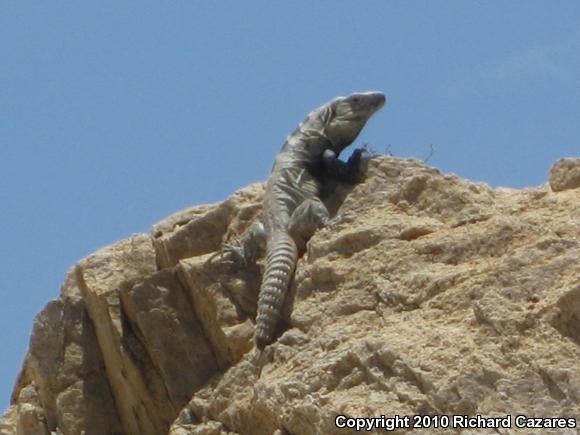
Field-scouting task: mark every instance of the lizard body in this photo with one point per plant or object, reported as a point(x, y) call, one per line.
point(292, 210)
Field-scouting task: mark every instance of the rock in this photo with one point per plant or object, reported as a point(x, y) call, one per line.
point(159, 307)
point(31, 417)
point(201, 230)
point(227, 327)
point(426, 295)
point(63, 381)
point(565, 174)
point(142, 401)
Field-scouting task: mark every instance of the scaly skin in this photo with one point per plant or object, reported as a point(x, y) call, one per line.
point(292, 210)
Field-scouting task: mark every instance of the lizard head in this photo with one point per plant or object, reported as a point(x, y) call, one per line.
point(348, 115)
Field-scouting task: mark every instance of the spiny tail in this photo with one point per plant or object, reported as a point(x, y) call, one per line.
point(281, 258)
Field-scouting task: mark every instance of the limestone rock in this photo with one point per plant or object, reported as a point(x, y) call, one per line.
point(214, 299)
point(63, 382)
point(425, 295)
point(565, 174)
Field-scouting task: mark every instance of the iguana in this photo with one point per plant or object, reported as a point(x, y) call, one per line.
point(292, 210)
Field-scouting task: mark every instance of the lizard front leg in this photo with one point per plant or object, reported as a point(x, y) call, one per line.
point(249, 248)
point(309, 216)
point(353, 171)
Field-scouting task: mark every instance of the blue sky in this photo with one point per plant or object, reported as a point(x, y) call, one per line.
point(114, 115)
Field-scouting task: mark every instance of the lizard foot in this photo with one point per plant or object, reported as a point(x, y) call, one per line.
point(234, 255)
point(358, 163)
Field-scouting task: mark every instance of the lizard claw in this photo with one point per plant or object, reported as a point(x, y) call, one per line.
point(236, 254)
point(358, 164)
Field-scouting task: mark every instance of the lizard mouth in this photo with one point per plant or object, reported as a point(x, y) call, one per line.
point(376, 99)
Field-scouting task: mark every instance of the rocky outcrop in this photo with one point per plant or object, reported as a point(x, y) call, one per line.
point(426, 295)
point(565, 174)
